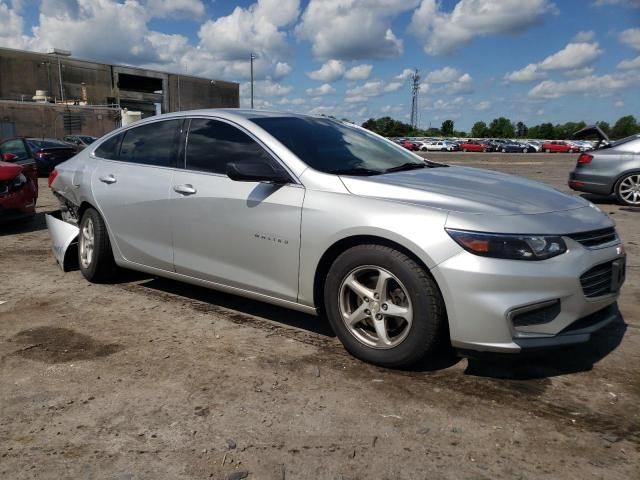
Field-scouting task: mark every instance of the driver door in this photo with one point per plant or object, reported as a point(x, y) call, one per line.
point(241, 234)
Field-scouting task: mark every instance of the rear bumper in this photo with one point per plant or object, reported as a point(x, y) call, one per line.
point(583, 182)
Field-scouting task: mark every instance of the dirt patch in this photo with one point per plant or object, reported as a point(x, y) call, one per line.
point(56, 345)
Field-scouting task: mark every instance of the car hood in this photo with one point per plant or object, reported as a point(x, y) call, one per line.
point(465, 190)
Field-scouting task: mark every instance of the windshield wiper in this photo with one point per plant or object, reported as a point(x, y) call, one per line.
point(355, 171)
point(406, 166)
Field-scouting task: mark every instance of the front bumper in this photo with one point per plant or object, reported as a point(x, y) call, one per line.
point(484, 296)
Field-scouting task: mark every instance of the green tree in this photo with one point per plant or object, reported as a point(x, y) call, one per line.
point(521, 130)
point(546, 131)
point(501, 128)
point(605, 127)
point(447, 128)
point(624, 127)
point(479, 130)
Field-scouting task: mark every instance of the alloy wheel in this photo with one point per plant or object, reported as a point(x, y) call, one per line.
point(375, 307)
point(629, 189)
point(87, 241)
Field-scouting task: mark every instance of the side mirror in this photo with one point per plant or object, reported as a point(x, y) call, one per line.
point(251, 171)
point(9, 157)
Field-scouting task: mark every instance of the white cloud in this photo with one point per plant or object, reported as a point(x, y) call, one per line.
point(374, 88)
point(574, 55)
point(406, 73)
point(622, 3)
point(359, 72)
point(526, 74)
point(444, 75)
point(444, 33)
point(331, 71)
point(392, 86)
point(352, 29)
point(630, 64)
point(356, 99)
point(175, 8)
point(292, 101)
point(324, 89)
point(464, 84)
point(619, 104)
point(630, 38)
point(11, 28)
point(281, 70)
point(592, 85)
point(579, 72)
point(391, 108)
point(254, 29)
point(481, 106)
point(265, 88)
point(584, 36)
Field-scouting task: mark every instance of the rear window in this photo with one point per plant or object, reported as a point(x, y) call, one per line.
point(110, 148)
point(151, 144)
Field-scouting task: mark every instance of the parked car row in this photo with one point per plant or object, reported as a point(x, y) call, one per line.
point(494, 145)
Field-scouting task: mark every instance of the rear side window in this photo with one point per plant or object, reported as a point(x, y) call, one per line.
point(151, 144)
point(212, 144)
point(110, 148)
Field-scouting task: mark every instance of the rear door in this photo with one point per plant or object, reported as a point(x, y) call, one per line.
point(242, 234)
point(131, 185)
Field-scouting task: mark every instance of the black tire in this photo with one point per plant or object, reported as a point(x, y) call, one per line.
point(102, 267)
point(617, 193)
point(547, 150)
point(464, 150)
point(504, 150)
point(429, 314)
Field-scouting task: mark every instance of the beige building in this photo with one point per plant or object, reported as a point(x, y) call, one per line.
point(52, 95)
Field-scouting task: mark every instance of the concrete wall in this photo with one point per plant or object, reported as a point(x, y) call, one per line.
point(47, 120)
point(22, 73)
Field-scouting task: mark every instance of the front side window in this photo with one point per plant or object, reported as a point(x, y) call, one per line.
point(212, 144)
point(151, 144)
point(333, 147)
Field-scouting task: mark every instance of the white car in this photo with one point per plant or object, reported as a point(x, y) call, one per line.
point(436, 146)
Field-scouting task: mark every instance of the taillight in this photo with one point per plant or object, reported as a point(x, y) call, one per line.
point(584, 159)
point(52, 176)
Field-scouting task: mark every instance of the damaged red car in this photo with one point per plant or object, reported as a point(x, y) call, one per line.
point(18, 189)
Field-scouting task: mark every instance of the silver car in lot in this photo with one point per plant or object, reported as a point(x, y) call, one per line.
point(613, 168)
point(325, 217)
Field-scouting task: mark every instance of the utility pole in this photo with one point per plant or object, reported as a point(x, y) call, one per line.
point(253, 57)
point(415, 89)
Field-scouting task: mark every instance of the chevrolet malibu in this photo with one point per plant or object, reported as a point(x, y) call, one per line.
point(326, 217)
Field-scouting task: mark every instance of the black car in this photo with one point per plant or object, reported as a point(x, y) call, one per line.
point(46, 152)
point(511, 146)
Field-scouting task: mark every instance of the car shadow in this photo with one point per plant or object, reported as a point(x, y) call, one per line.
point(551, 363)
point(599, 199)
point(317, 325)
point(27, 225)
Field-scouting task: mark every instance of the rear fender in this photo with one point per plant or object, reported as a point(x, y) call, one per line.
point(64, 241)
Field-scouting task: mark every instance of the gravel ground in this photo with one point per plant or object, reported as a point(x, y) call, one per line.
point(148, 378)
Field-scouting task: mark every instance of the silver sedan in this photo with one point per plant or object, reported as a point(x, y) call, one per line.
point(326, 217)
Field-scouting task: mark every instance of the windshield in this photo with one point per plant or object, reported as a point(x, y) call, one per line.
point(333, 147)
point(87, 140)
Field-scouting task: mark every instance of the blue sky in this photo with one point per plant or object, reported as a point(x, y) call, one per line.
point(529, 60)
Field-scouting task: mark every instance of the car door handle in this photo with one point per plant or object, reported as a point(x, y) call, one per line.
point(186, 189)
point(108, 179)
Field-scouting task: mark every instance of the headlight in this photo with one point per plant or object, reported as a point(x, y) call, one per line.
point(512, 247)
point(19, 181)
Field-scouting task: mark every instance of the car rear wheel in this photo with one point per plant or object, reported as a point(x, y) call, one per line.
point(504, 150)
point(547, 150)
point(464, 150)
point(95, 255)
point(525, 150)
point(383, 306)
point(628, 190)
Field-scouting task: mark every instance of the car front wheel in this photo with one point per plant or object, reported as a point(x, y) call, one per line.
point(95, 256)
point(383, 306)
point(628, 190)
